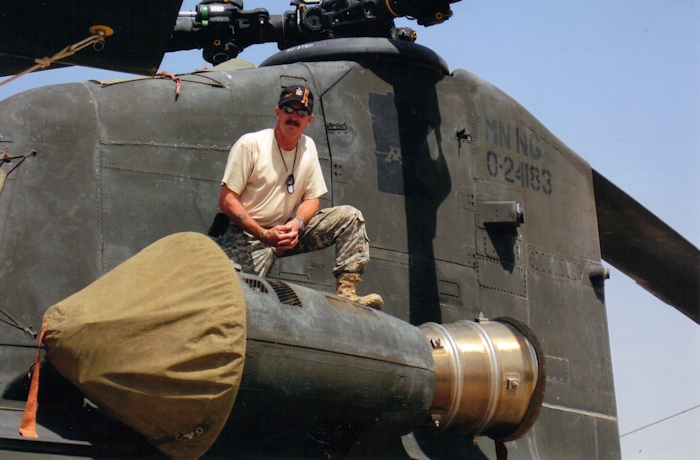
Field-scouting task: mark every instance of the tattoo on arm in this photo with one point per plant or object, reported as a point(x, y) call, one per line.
point(241, 217)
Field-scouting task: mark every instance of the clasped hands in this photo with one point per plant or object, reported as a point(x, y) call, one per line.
point(283, 237)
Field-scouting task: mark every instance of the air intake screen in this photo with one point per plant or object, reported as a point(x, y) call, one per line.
point(286, 295)
point(256, 285)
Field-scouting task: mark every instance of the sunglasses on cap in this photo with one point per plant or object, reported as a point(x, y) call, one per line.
point(300, 112)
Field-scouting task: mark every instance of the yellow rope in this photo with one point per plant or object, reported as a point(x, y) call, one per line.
point(41, 63)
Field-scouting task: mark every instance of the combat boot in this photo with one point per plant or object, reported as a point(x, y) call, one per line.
point(347, 287)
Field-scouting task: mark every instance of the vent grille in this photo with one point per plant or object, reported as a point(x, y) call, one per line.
point(286, 294)
point(256, 285)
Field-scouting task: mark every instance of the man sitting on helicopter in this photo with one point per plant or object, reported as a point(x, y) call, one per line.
point(270, 192)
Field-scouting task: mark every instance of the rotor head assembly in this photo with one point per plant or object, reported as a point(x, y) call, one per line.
point(222, 29)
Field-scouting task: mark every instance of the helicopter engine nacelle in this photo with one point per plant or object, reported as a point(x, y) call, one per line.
point(295, 360)
point(470, 378)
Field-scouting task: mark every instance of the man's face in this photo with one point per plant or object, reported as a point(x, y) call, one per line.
point(292, 124)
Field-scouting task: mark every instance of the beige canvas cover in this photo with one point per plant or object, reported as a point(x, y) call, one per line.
point(159, 342)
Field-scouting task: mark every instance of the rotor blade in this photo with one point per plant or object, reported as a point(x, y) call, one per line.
point(33, 29)
point(642, 246)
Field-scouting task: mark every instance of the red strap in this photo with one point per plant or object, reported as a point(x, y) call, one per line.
point(28, 426)
point(167, 74)
point(501, 451)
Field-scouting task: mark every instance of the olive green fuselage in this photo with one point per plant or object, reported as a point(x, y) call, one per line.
point(429, 158)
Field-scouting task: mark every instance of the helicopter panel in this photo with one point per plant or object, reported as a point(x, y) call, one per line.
point(406, 169)
point(500, 245)
point(590, 431)
point(542, 267)
point(36, 253)
point(128, 114)
point(545, 268)
point(570, 315)
point(519, 153)
point(407, 158)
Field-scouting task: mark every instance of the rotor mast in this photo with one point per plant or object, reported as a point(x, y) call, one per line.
point(222, 29)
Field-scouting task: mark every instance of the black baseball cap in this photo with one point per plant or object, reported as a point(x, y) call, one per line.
point(298, 93)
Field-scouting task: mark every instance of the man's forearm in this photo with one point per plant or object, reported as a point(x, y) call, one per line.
point(307, 209)
point(247, 223)
point(232, 207)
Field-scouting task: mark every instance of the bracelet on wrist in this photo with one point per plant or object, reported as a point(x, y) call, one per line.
point(264, 238)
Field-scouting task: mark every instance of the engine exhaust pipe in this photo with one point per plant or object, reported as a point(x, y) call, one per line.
point(490, 377)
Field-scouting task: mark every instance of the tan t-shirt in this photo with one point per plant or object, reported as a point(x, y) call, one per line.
point(256, 171)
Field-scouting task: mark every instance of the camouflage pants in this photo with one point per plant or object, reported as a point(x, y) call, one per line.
point(343, 226)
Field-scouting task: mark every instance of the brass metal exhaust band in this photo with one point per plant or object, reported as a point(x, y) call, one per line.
point(489, 377)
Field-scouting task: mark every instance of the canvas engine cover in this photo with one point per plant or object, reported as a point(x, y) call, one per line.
point(159, 342)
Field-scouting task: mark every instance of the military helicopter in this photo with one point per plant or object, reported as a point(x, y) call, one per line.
point(295, 279)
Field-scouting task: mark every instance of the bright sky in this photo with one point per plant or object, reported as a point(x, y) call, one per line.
point(619, 82)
